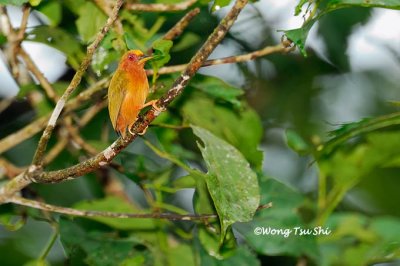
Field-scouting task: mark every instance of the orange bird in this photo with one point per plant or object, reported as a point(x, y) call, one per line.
point(128, 91)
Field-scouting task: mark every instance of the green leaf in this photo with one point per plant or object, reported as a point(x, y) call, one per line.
point(60, 40)
point(90, 21)
point(37, 262)
point(161, 54)
point(114, 204)
point(217, 88)
point(53, 11)
point(34, 2)
point(13, 2)
point(231, 183)
point(351, 130)
point(284, 215)
point(218, 4)
point(129, 41)
point(336, 4)
point(296, 142)
point(188, 40)
point(187, 181)
point(180, 254)
point(299, 36)
point(299, 7)
point(11, 222)
point(3, 39)
point(97, 248)
point(241, 128)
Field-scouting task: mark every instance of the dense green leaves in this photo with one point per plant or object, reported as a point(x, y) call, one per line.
point(231, 183)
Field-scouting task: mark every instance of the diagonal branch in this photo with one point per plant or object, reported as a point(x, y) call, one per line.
point(160, 7)
point(181, 25)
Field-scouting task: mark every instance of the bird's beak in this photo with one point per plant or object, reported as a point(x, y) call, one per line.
point(145, 58)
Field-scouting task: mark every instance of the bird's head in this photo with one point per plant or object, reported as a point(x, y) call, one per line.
point(135, 57)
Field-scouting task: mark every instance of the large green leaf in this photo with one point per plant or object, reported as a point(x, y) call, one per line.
point(231, 182)
point(114, 204)
point(284, 215)
point(90, 21)
point(241, 128)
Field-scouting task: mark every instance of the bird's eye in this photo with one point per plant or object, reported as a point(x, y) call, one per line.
point(131, 57)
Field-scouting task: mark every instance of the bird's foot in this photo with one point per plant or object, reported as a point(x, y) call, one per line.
point(153, 103)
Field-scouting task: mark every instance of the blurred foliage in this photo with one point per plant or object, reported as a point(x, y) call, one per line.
point(205, 154)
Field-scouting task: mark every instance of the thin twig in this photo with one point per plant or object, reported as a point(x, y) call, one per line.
point(38, 157)
point(74, 212)
point(26, 9)
point(48, 88)
point(160, 7)
point(280, 48)
point(181, 25)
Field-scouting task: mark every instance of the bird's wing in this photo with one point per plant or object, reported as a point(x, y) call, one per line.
point(116, 94)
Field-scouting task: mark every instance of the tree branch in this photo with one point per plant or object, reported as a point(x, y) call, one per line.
point(283, 47)
point(48, 88)
point(181, 25)
point(73, 212)
point(160, 7)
